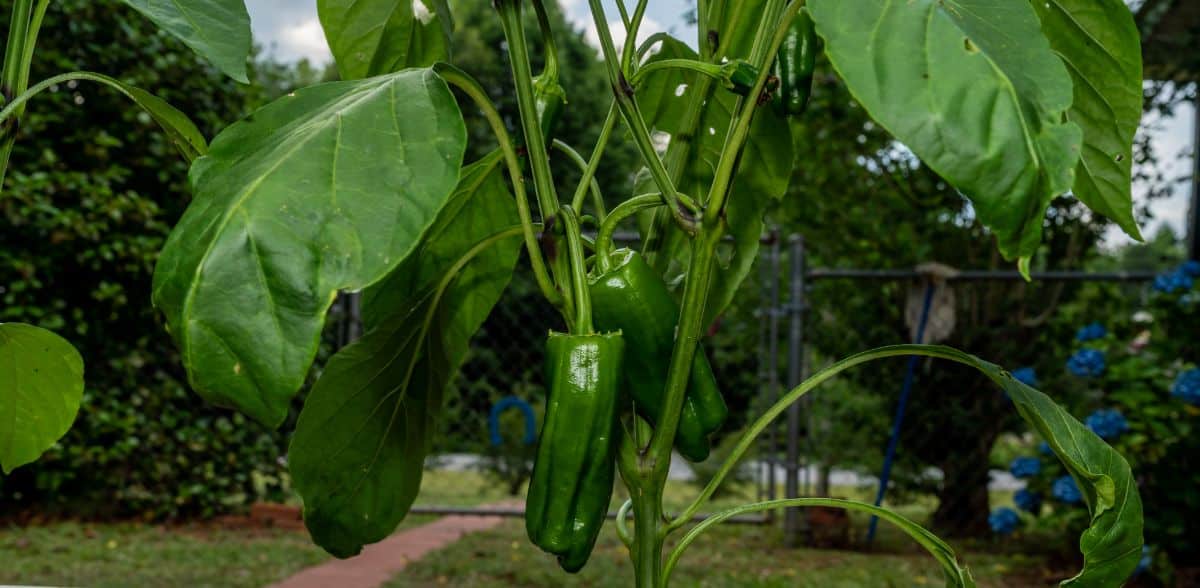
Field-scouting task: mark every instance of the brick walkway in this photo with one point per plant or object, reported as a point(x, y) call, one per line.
point(378, 563)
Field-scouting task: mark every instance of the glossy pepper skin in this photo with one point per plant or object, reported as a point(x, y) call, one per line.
point(551, 100)
point(573, 476)
point(632, 298)
point(794, 65)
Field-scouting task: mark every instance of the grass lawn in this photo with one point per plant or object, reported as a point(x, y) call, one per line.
point(735, 555)
point(132, 554)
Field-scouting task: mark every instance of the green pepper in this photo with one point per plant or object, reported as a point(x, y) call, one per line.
point(574, 472)
point(795, 64)
point(628, 296)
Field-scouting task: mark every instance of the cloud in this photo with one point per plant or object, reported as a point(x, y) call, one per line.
point(289, 30)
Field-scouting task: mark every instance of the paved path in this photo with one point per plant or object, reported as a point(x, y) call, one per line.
point(378, 563)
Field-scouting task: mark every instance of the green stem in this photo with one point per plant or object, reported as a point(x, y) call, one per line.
point(631, 33)
point(647, 541)
point(610, 122)
point(579, 284)
point(518, 50)
point(604, 238)
point(589, 180)
point(623, 524)
point(471, 88)
point(710, 70)
point(687, 340)
point(775, 17)
point(18, 55)
point(936, 547)
point(550, 69)
point(685, 212)
point(16, 58)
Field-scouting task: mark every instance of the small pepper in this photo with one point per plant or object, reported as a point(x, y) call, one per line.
point(551, 100)
point(628, 296)
point(795, 64)
point(573, 475)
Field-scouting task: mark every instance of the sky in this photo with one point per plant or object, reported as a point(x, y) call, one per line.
point(289, 30)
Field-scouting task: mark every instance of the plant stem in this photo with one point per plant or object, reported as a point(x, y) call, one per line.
point(535, 143)
point(647, 540)
point(471, 88)
point(604, 239)
point(776, 17)
point(685, 212)
point(610, 121)
point(687, 340)
point(579, 285)
point(588, 180)
point(631, 33)
point(18, 54)
point(710, 70)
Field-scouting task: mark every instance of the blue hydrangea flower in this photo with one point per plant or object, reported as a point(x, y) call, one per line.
point(1028, 501)
point(1190, 269)
point(1187, 387)
point(1044, 448)
point(1004, 520)
point(1091, 332)
point(1172, 282)
point(1107, 423)
point(1025, 467)
point(1026, 376)
point(1087, 363)
point(1066, 490)
point(1145, 562)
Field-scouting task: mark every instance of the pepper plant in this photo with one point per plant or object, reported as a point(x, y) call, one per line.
point(361, 185)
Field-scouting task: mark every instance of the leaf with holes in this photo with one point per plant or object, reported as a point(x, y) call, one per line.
point(974, 89)
point(1099, 42)
point(327, 189)
point(41, 386)
point(217, 30)
point(362, 437)
point(374, 37)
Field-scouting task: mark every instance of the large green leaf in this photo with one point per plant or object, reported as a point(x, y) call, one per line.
point(974, 89)
point(41, 385)
point(217, 30)
point(363, 435)
point(327, 189)
point(374, 37)
point(1100, 44)
point(764, 172)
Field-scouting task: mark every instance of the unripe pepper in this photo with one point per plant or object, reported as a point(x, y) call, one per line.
point(573, 476)
point(795, 64)
point(551, 100)
point(629, 296)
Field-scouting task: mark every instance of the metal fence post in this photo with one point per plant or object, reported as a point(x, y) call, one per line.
point(773, 307)
point(795, 525)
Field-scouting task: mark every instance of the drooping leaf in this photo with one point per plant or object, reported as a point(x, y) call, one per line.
point(375, 37)
point(1112, 543)
point(973, 88)
point(41, 386)
point(363, 435)
point(327, 189)
point(763, 174)
point(217, 30)
point(1100, 44)
point(178, 127)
